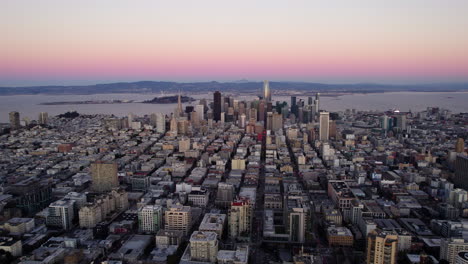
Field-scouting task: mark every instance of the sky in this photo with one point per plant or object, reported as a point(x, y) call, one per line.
point(87, 41)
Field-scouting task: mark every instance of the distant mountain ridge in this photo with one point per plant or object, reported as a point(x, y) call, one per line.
point(236, 86)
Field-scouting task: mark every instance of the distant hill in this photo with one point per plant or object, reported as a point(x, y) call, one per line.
point(237, 86)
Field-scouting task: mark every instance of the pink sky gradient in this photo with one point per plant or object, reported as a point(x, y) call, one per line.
point(370, 41)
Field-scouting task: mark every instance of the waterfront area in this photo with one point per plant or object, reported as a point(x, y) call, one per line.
point(405, 101)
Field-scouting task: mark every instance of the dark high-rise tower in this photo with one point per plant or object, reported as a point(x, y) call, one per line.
point(217, 106)
point(261, 111)
point(294, 107)
point(14, 120)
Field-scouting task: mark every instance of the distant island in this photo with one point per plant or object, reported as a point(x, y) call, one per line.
point(89, 102)
point(243, 86)
point(169, 100)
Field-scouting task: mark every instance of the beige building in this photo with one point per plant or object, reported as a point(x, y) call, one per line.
point(184, 144)
point(324, 123)
point(178, 218)
point(382, 247)
point(450, 247)
point(339, 236)
point(239, 218)
point(92, 213)
point(277, 122)
point(104, 176)
point(238, 164)
point(204, 246)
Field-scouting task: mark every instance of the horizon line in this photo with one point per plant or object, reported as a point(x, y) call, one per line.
point(242, 81)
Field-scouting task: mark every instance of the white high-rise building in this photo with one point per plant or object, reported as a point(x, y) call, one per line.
point(200, 109)
point(43, 118)
point(150, 218)
point(266, 91)
point(239, 218)
point(160, 123)
point(61, 214)
point(324, 129)
point(242, 121)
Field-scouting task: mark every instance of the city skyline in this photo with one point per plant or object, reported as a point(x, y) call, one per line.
point(234, 132)
point(53, 42)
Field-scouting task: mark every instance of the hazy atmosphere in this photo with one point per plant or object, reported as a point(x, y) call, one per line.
point(86, 42)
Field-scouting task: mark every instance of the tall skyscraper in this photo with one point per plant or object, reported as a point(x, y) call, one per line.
point(332, 130)
point(242, 121)
point(382, 247)
point(294, 106)
point(160, 123)
point(269, 121)
point(266, 91)
point(217, 106)
point(460, 145)
point(253, 114)
point(300, 114)
point(401, 122)
point(195, 119)
point(200, 109)
point(324, 129)
point(153, 120)
point(384, 122)
point(104, 176)
point(317, 101)
point(293, 100)
point(43, 118)
point(261, 111)
point(14, 120)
